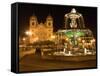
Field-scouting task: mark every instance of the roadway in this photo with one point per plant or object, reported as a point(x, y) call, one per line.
point(33, 62)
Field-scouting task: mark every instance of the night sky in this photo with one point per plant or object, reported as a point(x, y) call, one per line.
point(57, 12)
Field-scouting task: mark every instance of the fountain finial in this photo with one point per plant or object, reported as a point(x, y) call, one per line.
point(73, 10)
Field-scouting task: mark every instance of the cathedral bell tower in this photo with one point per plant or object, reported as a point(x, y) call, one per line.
point(33, 21)
point(49, 26)
point(49, 21)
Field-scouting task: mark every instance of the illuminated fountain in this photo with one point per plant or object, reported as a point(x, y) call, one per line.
point(79, 39)
point(78, 42)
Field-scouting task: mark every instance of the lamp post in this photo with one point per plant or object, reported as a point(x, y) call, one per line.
point(23, 39)
point(29, 34)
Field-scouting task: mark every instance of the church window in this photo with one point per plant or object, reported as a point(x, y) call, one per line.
point(32, 23)
point(49, 23)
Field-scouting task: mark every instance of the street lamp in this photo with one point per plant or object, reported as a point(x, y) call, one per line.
point(93, 40)
point(66, 39)
point(83, 41)
point(23, 39)
point(52, 37)
point(29, 33)
point(79, 39)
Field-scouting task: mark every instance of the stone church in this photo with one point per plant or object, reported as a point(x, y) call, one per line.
point(40, 31)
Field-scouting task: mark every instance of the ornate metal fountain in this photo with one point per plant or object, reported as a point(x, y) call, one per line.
point(78, 42)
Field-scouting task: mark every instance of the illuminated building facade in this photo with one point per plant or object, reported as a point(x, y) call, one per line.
point(40, 31)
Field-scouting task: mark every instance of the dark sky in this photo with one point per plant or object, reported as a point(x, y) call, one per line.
point(57, 12)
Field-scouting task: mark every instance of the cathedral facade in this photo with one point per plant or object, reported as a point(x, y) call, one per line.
point(40, 31)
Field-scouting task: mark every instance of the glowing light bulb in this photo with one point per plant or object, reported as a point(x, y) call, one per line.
point(28, 33)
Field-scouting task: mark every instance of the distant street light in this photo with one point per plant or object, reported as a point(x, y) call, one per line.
point(52, 37)
point(29, 33)
point(24, 39)
point(79, 39)
point(66, 39)
point(93, 40)
point(83, 41)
